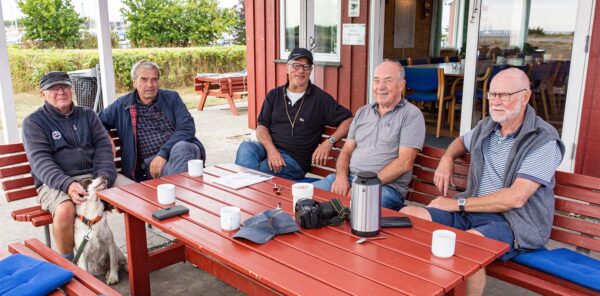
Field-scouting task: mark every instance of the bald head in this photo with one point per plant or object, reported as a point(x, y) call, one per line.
point(512, 76)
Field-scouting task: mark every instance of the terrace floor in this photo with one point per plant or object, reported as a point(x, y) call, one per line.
point(221, 133)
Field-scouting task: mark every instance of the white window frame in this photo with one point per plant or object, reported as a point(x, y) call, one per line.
point(307, 31)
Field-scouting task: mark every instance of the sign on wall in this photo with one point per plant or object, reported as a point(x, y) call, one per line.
point(353, 34)
point(404, 23)
point(353, 8)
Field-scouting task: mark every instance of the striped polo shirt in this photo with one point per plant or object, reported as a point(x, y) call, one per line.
point(538, 166)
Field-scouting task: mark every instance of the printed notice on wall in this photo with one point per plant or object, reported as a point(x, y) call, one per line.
point(354, 8)
point(353, 34)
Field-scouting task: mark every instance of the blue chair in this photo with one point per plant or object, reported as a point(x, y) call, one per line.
point(437, 60)
point(453, 59)
point(404, 62)
point(420, 61)
point(427, 85)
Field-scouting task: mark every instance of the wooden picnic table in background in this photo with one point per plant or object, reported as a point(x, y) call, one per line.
point(326, 261)
point(227, 85)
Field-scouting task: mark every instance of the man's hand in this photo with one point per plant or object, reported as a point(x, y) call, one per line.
point(340, 186)
point(275, 160)
point(77, 193)
point(322, 153)
point(444, 203)
point(444, 175)
point(156, 166)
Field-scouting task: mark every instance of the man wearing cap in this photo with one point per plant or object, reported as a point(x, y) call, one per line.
point(64, 144)
point(291, 123)
point(385, 137)
point(157, 132)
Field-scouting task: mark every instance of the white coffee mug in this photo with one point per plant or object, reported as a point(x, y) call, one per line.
point(443, 243)
point(230, 218)
point(195, 167)
point(300, 191)
point(165, 194)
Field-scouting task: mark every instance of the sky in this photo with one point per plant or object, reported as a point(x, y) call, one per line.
point(88, 8)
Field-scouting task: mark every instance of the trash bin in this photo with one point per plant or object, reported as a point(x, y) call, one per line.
point(85, 85)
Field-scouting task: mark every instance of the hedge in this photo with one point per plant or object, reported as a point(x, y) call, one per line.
point(178, 65)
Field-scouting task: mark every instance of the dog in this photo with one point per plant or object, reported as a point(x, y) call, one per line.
point(100, 256)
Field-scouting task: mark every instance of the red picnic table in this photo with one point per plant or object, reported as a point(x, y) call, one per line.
point(326, 261)
point(227, 85)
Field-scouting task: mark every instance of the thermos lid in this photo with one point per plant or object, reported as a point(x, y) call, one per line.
point(367, 178)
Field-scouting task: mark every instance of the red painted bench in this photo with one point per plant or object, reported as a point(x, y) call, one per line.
point(576, 221)
point(18, 184)
point(82, 283)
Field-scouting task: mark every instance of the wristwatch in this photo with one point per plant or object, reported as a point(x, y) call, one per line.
point(332, 140)
point(461, 206)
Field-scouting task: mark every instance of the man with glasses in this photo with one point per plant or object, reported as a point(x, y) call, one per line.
point(509, 195)
point(385, 137)
point(64, 144)
point(291, 122)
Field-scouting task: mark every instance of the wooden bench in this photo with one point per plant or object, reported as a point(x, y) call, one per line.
point(576, 221)
point(234, 87)
point(82, 282)
point(18, 184)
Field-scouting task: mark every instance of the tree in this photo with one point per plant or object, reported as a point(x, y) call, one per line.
point(51, 22)
point(174, 22)
point(238, 29)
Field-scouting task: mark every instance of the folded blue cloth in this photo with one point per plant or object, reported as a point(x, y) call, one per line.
point(22, 275)
point(565, 264)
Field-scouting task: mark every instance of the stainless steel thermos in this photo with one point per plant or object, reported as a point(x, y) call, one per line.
point(365, 205)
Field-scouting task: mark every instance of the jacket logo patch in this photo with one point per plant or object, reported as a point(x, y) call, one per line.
point(56, 135)
point(301, 119)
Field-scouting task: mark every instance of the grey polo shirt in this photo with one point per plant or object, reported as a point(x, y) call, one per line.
point(378, 139)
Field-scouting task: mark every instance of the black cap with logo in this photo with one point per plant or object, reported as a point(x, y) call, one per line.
point(298, 53)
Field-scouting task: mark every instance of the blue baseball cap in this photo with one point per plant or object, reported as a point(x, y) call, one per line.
point(265, 225)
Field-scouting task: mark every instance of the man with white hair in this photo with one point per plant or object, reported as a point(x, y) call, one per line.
point(385, 137)
point(156, 130)
point(509, 195)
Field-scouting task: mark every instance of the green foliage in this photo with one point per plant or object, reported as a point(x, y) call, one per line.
point(175, 23)
point(536, 31)
point(178, 65)
point(238, 28)
point(51, 23)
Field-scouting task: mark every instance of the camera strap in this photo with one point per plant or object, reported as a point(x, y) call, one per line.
point(343, 213)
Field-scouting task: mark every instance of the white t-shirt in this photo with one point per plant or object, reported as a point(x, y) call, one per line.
point(294, 97)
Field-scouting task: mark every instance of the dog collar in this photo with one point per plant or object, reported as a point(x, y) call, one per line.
point(89, 222)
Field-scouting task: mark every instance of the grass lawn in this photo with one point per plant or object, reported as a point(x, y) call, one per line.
point(26, 103)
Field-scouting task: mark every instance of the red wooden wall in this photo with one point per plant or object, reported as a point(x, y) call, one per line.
point(346, 82)
point(587, 160)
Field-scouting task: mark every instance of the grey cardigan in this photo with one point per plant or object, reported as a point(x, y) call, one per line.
point(531, 224)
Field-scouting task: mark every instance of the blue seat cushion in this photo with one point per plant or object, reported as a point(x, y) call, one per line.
point(423, 96)
point(565, 264)
point(23, 275)
point(307, 180)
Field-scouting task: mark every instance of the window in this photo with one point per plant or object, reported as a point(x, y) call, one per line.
point(311, 24)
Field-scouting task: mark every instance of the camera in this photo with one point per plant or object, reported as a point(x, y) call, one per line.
point(313, 214)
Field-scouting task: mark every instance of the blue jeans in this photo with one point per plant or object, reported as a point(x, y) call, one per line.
point(390, 197)
point(252, 154)
point(179, 156)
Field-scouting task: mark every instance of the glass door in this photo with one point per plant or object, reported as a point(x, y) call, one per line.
point(544, 38)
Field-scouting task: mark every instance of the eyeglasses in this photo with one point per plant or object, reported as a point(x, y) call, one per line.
point(502, 96)
point(298, 66)
point(57, 88)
